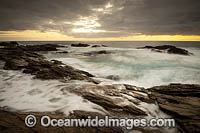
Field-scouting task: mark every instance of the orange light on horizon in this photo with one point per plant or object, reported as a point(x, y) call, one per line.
point(33, 35)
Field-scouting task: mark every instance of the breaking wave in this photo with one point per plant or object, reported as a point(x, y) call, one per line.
point(136, 66)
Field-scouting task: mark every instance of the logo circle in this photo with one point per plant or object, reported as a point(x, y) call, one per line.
point(30, 120)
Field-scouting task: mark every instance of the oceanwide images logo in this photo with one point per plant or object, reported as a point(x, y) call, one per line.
point(107, 121)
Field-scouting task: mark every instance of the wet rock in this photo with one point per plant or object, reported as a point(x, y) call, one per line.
point(52, 71)
point(112, 107)
point(96, 46)
point(45, 47)
point(169, 49)
point(57, 62)
point(182, 102)
point(35, 64)
point(115, 100)
point(85, 73)
point(15, 64)
point(95, 53)
point(113, 77)
point(135, 88)
point(80, 45)
point(9, 44)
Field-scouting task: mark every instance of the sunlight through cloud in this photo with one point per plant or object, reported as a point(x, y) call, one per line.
point(87, 24)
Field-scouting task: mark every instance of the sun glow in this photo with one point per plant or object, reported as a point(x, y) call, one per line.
point(28, 35)
point(109, 5)
point(87, 25)
point(90, 24)
point(31, 35)
point(84, 30)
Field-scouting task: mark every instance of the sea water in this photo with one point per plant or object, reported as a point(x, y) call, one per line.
point(139, 67)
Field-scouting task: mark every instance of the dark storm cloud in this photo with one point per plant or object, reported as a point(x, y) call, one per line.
point(34, 14)
point(127, 17)
point(156, 17)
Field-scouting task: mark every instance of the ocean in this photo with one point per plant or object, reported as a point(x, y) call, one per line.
point(139, 67)
point(122, 44)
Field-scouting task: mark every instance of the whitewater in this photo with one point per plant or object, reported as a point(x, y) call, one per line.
point(139, 67)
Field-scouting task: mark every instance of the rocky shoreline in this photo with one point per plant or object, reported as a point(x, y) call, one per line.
point(168, 49)
point(181, 101)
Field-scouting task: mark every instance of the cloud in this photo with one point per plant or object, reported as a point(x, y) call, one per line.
point(36, 14)
point(113, 18)
point(156, 17)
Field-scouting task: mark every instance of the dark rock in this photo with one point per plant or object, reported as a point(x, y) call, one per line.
point(35, 64)
point(85, 73)
point(148, 47)
point(178, 51)
point(139, 96)
point(169, 49)
point(9, 44)
point(95, 53)
point(164, 47)
point(80, 45)
point(115, 101)
point(57, 62)
point(15, 64)
point(113, 77)
point(135, 88)
point(182, 102)
point(45, 47)
point(14, 43)
point(112, 107)
point(95, 46)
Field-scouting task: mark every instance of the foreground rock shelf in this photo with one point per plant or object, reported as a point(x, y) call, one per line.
point(181, 101)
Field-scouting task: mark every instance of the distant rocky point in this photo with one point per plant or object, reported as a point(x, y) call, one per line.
point(36, 48)
point(80, 45)
point(9, 44)
point(168, 48)
point(95, 53)
point(95, 46)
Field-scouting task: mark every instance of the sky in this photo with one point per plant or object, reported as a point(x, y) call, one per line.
point(100, 20)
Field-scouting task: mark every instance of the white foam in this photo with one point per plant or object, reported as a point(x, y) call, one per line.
point(140, 67)
point(20, 92)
